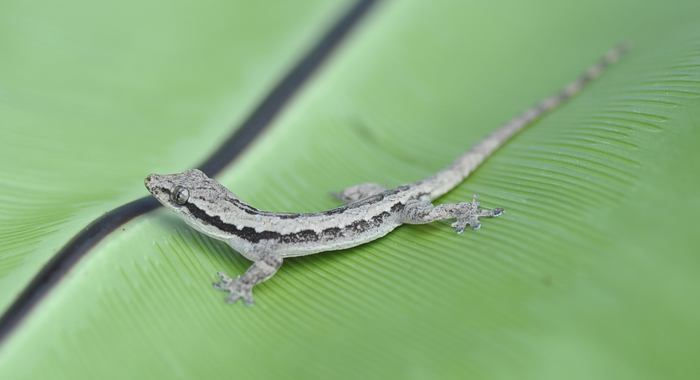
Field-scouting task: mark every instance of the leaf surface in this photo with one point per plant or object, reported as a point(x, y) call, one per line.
point(590, 273)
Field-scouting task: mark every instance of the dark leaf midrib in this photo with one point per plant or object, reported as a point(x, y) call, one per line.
point(61, 263)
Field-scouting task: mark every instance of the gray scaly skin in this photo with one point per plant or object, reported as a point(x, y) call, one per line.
point(371, 212)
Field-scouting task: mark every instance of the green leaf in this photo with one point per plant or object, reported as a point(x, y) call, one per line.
point(590, 273)
point(96, 96)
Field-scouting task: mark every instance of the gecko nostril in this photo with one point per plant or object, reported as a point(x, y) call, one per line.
point(148, 182)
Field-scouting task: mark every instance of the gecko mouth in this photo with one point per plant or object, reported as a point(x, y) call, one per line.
point(147, 183)
point(154, 186)
point(161, 190)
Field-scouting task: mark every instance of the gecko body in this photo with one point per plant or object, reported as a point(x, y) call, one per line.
point(370, 212)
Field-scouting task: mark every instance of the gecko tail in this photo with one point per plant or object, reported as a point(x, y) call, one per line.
point(446, 179)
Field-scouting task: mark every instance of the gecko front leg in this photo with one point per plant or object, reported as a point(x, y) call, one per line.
point(264, 267)
point(421, 212)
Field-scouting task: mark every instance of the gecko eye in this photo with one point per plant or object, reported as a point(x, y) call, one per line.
point(179, 195)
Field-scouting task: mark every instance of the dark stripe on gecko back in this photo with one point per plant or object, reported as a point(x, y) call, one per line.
point(339, 210)
point(248, 209)
point(304, 236)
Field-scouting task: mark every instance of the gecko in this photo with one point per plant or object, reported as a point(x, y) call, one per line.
point(370, 211)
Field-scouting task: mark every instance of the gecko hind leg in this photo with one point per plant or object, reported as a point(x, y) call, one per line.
point(421, 212)
point(264, 267)
point(357, 192)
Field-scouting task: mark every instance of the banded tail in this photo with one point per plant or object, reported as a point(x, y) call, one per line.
point(449, 177)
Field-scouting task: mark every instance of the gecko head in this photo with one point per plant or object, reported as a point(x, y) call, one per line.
point(186, 193)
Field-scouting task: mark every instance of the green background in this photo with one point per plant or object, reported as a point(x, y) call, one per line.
point(592, 272)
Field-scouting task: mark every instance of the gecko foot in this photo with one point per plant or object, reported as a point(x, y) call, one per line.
point(469, 213)
point(236, 287)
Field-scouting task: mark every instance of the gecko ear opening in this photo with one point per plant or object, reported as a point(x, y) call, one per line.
point(179, 195)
